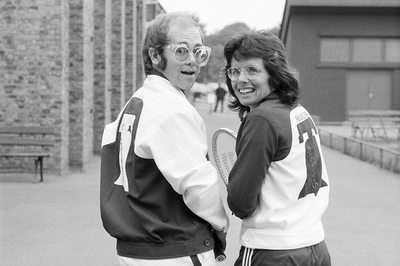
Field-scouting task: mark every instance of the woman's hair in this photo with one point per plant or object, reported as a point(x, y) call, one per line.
point(157, 35)
point(283, 79)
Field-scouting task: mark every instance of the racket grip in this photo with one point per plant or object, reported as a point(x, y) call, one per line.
point(218, 250)
point(219, 254)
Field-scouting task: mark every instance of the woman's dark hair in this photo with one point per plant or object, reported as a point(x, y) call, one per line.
point(265, 45)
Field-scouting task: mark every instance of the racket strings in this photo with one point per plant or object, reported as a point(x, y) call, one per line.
point(225, 155)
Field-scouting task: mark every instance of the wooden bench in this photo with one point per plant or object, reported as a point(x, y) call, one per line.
point(32, 142)
point(376, 122)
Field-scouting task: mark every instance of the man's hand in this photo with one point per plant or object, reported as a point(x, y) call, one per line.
point(220, 239)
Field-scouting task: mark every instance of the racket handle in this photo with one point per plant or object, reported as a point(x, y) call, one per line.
point(219, 254)
point(218, 249)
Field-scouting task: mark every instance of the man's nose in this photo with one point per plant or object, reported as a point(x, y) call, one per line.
point(190, 58)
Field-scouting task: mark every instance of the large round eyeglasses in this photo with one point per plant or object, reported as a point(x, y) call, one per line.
point(182, 53)
point(251, 72)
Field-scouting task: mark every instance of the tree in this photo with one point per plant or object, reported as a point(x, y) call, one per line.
point(217, 41)
point(211, 72)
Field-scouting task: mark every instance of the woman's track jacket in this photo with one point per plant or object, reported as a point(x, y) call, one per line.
point(279, 184)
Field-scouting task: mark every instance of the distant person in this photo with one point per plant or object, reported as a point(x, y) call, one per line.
point(159, 194)
point(278, 185)
point(220, 94)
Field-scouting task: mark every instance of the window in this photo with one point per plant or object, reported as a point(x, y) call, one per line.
point(335, 50)
point(360, 50)
point(367, 50)
point(392, 51)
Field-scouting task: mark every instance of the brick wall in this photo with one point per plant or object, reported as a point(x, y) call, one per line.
point(31, 67)
point(53, 70)
point(115, 59)
point(81, 54)
point(99, 73)
point(76, 82)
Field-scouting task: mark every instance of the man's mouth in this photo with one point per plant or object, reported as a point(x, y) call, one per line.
point(188, 72)
point(245, 91)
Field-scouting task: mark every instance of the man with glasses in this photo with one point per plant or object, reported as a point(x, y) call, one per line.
point(159, 193)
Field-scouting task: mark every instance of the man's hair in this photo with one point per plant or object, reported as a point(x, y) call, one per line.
point(283, 79)
point(157, 35)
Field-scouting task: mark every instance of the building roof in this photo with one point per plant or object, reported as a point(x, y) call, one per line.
point(335, 6)
point(344, 3)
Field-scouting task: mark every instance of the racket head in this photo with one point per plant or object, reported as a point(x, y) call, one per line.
point(223, 149)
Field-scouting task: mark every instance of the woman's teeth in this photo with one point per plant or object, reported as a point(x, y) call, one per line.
point(246, 90)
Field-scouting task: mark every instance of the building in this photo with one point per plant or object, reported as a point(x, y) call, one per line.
point(70, 64)
point(347, 53)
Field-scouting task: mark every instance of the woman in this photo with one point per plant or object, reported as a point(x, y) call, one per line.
point(279, 185)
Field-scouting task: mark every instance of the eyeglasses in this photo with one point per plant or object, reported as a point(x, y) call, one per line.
point(251, 72)
point(182, 53)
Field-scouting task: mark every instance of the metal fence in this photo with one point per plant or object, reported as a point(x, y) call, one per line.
point(374, 154)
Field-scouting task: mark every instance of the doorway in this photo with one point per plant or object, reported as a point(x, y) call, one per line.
point(368, 90)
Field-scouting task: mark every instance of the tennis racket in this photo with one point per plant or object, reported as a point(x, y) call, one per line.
point(223, 149)
point(218, 250)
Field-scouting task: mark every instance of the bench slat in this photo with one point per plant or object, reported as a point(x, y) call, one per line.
point(374, 113)
point(25, 155)
point(26, 130)
point(26, 142)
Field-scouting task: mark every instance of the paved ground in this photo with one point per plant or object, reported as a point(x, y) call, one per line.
point(57, 222)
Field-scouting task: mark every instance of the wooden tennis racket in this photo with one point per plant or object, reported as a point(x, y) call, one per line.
point(223, 149)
